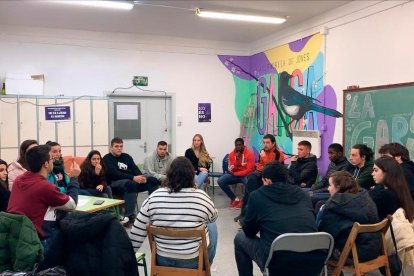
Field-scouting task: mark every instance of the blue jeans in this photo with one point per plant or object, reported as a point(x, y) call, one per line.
point(193, 263)
point(199, 179)
point(247, 250)
point(228, 179)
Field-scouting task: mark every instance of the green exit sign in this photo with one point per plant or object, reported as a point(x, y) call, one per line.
point(140, 81)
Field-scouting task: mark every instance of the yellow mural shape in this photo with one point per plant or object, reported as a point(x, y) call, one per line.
point(283, 59)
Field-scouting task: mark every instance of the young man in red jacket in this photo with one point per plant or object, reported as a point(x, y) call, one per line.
point(241, 163)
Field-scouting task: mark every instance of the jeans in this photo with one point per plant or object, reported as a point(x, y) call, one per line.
point(228, 179)
point(107, 192)
point(199, 180)
point(193, 263)
point(247, 250)
point(130, 189)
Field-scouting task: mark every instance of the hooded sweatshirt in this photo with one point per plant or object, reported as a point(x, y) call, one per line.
point(243, 165)
point(408, 168)
point(340, 165)
point(35, 197)
point(364, 175)
point(157, 166)
point(304, 170)
point(274, 154)
point(276, 209)
point(338, 216)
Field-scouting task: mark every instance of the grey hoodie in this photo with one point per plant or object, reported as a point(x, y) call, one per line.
point(157, 166)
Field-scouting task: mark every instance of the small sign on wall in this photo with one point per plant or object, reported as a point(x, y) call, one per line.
point(204, 112)
point(57, 113)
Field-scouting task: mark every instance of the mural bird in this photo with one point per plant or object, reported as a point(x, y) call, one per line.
point(295, 104)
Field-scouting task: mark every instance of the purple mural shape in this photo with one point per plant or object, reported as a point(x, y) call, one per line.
point(297, 46)
point(326, 123)
point(241, 66)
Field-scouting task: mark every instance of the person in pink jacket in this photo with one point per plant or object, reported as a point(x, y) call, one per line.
point(19, 166)
point(241, 163)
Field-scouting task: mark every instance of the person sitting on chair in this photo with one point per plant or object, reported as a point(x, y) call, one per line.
point(158, 161)
point(274, 209)
point(126, 179)
point(179, 204)
point(303, 170)
point(34, 196)
point(269, 153)
point(58, 176)
point(349, 204)
point(241, 163)
point(361, 159)
point(199, 157)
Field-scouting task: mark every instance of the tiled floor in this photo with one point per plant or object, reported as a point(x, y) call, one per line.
point(224, 263)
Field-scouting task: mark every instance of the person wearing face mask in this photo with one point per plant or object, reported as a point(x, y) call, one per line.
point(4, 186)
point(349, 204)
point(58, 176)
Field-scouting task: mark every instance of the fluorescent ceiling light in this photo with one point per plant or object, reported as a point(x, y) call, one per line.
point(240, 17)
point(101, 4)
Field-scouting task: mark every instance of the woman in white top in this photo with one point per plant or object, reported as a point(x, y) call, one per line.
point(179, 204)
point(19, 166)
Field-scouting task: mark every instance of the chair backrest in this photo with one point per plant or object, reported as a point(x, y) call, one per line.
point(303, 246)
point(225, 163)
point(203, 262)
point(351, 246)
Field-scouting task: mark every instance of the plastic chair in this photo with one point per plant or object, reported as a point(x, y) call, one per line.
point(361, 268)
point(299, 254)
point(141, 261)
point(203, 262)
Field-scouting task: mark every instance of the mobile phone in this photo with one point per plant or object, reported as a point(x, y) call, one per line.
point(98, 202)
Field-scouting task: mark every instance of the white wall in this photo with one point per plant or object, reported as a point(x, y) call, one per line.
point(93, 67)
point(369, 43)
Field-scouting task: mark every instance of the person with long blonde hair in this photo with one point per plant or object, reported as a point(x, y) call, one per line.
point(199, 158)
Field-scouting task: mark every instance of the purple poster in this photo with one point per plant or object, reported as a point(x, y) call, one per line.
point(204, 112)
point(57, 113)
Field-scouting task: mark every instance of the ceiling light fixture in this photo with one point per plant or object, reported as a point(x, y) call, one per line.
point(102, 4)
point(239, 17)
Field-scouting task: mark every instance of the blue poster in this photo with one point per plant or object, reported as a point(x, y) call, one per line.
point(57, 113)
point(204, 112)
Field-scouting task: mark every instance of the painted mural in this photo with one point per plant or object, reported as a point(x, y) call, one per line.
point(281, 90)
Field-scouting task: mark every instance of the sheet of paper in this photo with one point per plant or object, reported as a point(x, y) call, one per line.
point(82, 201)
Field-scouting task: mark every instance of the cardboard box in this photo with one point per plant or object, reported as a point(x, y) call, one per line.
point(24, 84)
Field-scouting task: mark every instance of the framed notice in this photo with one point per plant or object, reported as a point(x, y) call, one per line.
point(204, 112)
point(57, 113)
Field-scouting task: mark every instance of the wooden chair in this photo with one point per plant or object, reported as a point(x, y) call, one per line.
point(203, 262)
point(361, 268)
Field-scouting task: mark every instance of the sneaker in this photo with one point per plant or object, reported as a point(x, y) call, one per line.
point(234, 203)
point(236, 219)
point(239, 205)
point(127, 222)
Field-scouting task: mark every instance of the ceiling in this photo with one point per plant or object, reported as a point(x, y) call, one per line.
point(164, 18)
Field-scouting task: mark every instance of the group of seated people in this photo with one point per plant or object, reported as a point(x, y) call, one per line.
point(277, 199)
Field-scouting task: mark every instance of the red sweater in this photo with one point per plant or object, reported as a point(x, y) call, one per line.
point(274, 154)
point(243, 165)
point(32, 195)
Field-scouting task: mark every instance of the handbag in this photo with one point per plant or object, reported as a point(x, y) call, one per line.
point(393, 259)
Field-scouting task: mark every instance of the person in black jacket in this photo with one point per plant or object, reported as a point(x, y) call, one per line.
point(303, 170)
point(275, 208)
point(126, 179)
point(92, 244)
point(361, 159)
point(319, 191)
point(349, 204)
point(4, 186)
point(391, 191)
point(402, 156)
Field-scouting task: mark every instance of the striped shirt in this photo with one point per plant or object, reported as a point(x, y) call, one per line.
point(187, 209)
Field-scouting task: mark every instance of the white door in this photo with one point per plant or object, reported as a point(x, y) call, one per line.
point(141, 122)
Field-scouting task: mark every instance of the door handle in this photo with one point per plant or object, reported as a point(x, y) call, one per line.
point(144, 146)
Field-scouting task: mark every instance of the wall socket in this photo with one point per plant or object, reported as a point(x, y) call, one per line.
point(140, 81)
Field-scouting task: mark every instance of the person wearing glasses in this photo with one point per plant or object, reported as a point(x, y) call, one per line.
point(157, 162)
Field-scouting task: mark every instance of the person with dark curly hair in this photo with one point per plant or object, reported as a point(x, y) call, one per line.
point(92, 177)
point(4, 186)
point(178, 204)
